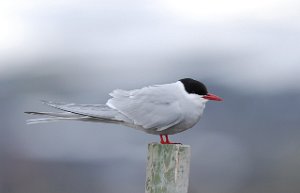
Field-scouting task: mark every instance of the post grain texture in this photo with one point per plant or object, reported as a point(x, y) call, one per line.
point(168, 168)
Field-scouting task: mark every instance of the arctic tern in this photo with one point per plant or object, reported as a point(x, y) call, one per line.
point(162, 110)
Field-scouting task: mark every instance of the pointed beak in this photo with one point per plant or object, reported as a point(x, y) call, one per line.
point(212, 97)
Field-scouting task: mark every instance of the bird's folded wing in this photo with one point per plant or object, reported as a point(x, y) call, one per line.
point(149, 107)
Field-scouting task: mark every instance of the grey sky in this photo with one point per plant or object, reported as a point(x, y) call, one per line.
point(243, 45)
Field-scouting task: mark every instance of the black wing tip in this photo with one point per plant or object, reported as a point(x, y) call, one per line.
point(35, 113)
point(30, 112)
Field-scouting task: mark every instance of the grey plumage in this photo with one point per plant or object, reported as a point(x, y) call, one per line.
point(160, 109)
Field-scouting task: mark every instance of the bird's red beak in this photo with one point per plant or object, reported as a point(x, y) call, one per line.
point(212, 97)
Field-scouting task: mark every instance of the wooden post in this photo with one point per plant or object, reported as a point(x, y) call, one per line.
point(168, 168)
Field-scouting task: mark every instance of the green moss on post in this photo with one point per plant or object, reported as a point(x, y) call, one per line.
point(168, 168)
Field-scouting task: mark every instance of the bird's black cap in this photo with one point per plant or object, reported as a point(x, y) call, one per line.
point(194, 86)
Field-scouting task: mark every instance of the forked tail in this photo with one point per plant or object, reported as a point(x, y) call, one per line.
point(81, 112)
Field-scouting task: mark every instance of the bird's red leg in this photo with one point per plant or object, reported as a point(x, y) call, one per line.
point(167, 140)
point(162, 141)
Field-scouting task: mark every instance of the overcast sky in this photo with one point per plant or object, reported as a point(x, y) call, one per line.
point(244, 44)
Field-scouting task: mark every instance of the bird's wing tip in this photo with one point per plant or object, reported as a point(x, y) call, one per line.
point(29, 112)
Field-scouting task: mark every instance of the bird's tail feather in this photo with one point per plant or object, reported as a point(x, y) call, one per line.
point(54, 116)
point(51, 119)
point(81, 112)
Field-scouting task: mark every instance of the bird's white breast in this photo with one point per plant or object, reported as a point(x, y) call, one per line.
point(192, 107)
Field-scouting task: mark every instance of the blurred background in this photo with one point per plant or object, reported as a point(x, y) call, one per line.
point(78, 51)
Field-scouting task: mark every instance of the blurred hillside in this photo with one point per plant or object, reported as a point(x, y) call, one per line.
point(248, 143)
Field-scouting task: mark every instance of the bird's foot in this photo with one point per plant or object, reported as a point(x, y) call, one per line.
point(167, 141)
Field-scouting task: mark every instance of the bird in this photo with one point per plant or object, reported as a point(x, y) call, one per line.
point(163, 109)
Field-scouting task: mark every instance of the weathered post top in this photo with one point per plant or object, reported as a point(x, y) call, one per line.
point(168, 168)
